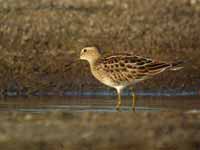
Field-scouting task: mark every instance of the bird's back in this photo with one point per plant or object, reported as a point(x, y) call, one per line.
point(126, 69)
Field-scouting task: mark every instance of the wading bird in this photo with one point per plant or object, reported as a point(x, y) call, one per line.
point(123, 70)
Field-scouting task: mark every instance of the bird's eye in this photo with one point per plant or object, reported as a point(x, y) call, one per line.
point(85, 50)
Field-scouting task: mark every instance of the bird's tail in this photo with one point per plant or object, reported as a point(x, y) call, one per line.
point(176, 65)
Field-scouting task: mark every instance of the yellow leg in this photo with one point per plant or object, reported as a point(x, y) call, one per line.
point(119, 101)
point(133, 101)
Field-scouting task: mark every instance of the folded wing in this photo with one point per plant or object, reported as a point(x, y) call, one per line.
point(128, 68)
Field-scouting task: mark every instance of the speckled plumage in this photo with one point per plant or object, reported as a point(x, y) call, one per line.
point(127, 69)
point(122, 70)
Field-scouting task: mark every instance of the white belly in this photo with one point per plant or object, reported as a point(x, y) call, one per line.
point(103, 78)
point(107, 81)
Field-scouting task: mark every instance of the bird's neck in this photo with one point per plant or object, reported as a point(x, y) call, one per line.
point(93, 62)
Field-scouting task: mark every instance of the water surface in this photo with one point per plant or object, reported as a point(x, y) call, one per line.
point(98, 103)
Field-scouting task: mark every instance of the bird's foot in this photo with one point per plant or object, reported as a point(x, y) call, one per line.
point(117, 108)
point(133, 108)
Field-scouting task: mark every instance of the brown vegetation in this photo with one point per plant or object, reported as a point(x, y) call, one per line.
point(39, 39)
point(113, 131)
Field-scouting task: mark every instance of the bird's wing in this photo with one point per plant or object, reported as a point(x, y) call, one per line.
point(127, 67)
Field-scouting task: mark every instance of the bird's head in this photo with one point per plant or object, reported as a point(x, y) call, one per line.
point(91, 54)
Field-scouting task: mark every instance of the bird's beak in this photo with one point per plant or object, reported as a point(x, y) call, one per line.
point(80, 58)
point(68, 66)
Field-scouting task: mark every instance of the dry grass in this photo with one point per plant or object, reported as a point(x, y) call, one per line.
point(113, 131)
point(38, 40)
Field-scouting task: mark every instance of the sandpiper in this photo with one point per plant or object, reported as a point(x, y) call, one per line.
point(123, 70)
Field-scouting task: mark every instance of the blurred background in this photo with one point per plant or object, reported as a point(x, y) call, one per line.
point(39, 39)
point(48, 103)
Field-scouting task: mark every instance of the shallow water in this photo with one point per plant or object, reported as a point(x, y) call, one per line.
point(99, 103)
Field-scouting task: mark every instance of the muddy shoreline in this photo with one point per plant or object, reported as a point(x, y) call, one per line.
point(56, 130)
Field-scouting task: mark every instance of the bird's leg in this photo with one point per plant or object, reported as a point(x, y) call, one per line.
point(133, 100)
point(119, 101)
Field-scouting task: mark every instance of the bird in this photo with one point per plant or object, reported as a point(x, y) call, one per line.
point(123, 70)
